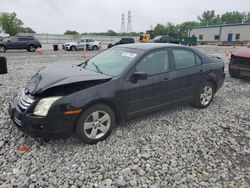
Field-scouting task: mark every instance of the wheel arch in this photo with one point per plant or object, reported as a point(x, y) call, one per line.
point(117, 112)
point(212, 80)
point(72, 46)
point(4, 46)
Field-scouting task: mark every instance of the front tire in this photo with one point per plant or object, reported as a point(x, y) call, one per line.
point(95, 124)
point(205, 95)
point(73, 48)
point(95, 48)
point(32, 48)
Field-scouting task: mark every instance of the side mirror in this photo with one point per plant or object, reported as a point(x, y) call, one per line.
point(139, 75)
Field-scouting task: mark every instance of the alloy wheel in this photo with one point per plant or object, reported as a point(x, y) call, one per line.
point(97, 124)
point(206, 95)
point(32, 48)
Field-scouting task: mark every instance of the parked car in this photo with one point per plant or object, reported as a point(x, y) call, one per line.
point(89, 43)
point(239, 65)
point(29, 43)
point(118, 84)
point(122, 41)
point(165, 39)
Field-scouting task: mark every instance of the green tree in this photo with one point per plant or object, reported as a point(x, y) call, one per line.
point(209, 18)
point(171, 30)
point(159, 29)
point(232, 17)
point(185, 26)
point(247, 17)
point(27, 30)
point(10, 23)
point(111, 33)
point(69, 32)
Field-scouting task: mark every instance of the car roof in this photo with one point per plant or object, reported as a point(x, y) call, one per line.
point(23, 36)
point(147, 46)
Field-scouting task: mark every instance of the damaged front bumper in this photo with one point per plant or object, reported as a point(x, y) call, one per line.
point(49, 127)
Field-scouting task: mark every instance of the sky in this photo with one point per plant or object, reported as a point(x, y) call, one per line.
point(57, 16)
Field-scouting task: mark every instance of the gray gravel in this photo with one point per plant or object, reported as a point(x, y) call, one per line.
point(179, 147)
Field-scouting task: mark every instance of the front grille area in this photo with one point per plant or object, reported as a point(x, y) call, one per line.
point(24, 100)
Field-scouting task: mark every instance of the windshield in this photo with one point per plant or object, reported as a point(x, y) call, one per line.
point(8, 38)
point(157, 38)
point(111, 62)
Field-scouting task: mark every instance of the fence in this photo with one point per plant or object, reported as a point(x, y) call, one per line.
point(61, 39)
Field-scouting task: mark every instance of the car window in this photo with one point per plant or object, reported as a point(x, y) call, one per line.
point(183, 58)
point(82, 40)
point(25, 39)
point(13, 39)
point(21, 39)
point(90, 40)
point(154, 63)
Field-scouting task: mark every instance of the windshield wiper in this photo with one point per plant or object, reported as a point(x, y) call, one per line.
point(97, 68)
point(83, 64)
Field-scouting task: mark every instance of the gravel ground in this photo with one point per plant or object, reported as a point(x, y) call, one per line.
point(179, 147)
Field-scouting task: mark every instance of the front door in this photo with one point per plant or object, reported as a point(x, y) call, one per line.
point(13, 43)
point(146, 95)
point(81, 44)
point(229, 37)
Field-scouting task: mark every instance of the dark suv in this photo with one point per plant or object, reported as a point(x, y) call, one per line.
point(165, 39)
point(122, 41)
point(29, 43)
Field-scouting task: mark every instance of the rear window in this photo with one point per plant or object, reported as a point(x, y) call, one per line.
point(184, 59)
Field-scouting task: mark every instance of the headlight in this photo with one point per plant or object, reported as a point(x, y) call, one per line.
point(44, 105)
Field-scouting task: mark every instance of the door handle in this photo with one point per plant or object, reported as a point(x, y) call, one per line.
point(165, 79)
point(201, 70)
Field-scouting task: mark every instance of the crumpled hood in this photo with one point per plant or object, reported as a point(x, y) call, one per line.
point(57, 74)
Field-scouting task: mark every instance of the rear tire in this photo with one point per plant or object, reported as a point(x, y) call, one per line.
point(31, 48)
point(205, 95)
point(2, 49)
point(95, 124)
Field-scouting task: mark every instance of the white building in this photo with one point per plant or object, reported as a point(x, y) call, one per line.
point(227, 33)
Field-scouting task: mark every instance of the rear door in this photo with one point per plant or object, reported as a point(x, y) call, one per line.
point(154, 92)
point(23, 42)
point(187, 74)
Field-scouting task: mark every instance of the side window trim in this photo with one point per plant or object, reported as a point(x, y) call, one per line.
point(196, 55)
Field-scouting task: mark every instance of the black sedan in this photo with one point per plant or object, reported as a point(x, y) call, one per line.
point(90, 99)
